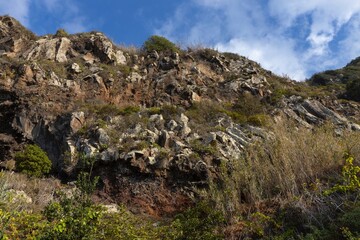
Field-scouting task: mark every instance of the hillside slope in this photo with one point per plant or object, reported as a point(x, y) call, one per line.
point(164, 129)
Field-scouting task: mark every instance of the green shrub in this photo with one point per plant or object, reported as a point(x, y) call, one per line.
point(260, 120)
point(159, 44)
point(61, 33)
point(74, 217)
point(125, 226)
point(129, 110)
point(350, 179)
point(323, 78)
point(235, 116)
point(205, 112)
point(200, 222)
point(20, 225)
point(208, 53)
point(351, 220)
point(170, 111)
point(154, 110)
point(232, 56)
point(125, 70)
point(201, 148)
point(248, 104)
point(103, 110)
point(110, 71)
point(50, 66)
point(33, 161)
point(353, 89)
point(260, 224)
point(278, 94)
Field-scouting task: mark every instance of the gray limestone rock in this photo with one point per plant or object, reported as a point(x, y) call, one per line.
point(75, 68)
point(171, 125)
point(109, 154)
point(102, 137)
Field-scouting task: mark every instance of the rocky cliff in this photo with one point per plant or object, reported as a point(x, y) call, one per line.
point(158, 125)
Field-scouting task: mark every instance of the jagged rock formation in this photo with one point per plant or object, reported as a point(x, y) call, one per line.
point(68, 93)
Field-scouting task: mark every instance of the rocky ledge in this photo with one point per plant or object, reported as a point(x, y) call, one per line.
point(157, 124)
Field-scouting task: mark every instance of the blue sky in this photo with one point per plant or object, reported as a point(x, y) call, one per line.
point(290, 37)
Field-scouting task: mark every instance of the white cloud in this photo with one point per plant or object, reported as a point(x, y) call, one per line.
point(287, 37)
point(351, 43)
point(18, 9)
point(75, 25)
point(328, 16)
point(275, 53)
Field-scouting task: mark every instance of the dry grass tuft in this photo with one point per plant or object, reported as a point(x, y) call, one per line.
point(283, 167)
point(41, 191)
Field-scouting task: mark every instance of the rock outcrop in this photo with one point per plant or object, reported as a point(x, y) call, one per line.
point(137, 114)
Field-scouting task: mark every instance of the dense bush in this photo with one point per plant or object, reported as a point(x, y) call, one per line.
point(353, 89)
point(323, 78)
point(351, 221)
point(20, 225)
point(159, 44)
point(61, 33)
point(33, 161)
point(200, 222)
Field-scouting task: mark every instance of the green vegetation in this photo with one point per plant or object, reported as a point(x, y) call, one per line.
point(353, 89)
point(350, 179)
point(199, 223)
point(286, 182)
point(324, 78)
point(154, 110)
point(280, 88)
point(232, 56)
point(200, 148)
point(207, 53)
point(346, 80)
point(260, 120)
point(129, 110)
point(61, 33)
point(110, 71)
point(276, 190)
point(159, 44)
point(170, 111)
point(33, 161)
point(248, 109)
point(50, 66)
point(74, 216)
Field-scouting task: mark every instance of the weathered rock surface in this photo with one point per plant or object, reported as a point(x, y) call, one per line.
point(81, 96)
point(310, 111)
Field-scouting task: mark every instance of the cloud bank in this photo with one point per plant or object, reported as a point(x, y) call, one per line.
point(296, 38)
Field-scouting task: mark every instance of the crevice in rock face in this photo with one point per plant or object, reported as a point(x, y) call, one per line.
point(9, 138)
